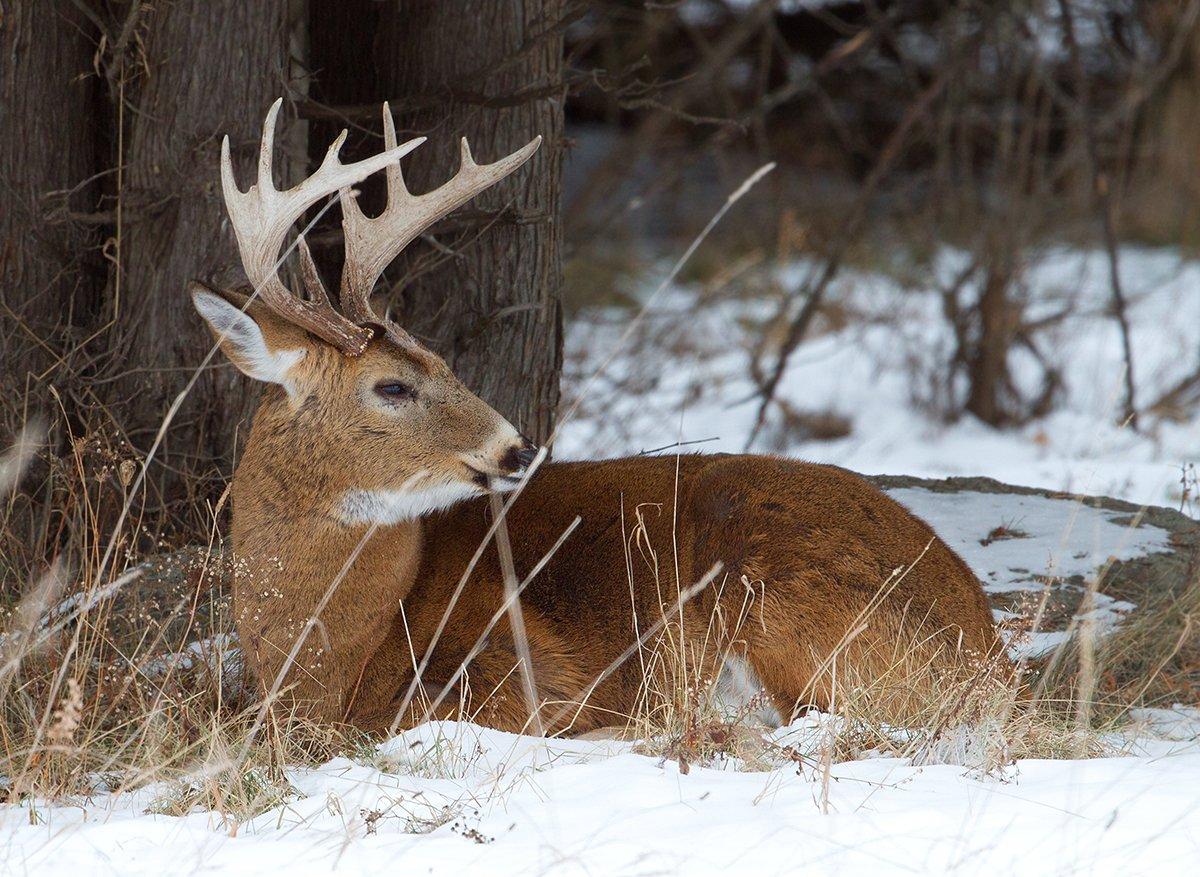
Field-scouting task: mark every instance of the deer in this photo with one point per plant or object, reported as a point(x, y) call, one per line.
point(404, 553)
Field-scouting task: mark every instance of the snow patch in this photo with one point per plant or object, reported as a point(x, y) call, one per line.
point(1019, 542)
point(520, 805)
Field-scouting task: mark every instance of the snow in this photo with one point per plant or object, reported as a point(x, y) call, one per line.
point(683, 377)
point(702, 12)
point(1058, 537)
point(493, 803)
point(1017, 542)
point(1176, 723)
point(220, 654)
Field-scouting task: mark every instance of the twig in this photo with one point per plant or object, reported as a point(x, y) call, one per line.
point(516, 617)
point(733, 198)
point(480, 641)
point(680, 444)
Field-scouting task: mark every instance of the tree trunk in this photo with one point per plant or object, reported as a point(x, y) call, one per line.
point(487, 297)
point(987, 361)
point(48, 147)
point(1165, 187)
point(211, 67)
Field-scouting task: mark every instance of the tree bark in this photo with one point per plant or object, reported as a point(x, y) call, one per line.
point(1165, 187)
point(211, 67)
point(487, 297)
point(988, 361)
point(48, 147)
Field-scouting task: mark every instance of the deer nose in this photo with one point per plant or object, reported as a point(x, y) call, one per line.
point(526, 455)
point(519, 456)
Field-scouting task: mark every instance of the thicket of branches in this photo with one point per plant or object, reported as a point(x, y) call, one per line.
point(1000, 129)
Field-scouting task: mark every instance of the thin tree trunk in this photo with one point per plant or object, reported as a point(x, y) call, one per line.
point(987, 362)
point(488, 296)
point(48, 143)
point(211, 67)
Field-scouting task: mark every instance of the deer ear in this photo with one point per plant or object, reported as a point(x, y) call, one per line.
point(242, 340)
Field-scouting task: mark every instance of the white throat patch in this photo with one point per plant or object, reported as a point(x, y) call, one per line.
point(386, 507)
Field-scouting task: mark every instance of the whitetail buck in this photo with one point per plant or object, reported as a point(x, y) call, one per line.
point(361, 499)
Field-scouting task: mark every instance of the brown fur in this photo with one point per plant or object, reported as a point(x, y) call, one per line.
point(806, 550)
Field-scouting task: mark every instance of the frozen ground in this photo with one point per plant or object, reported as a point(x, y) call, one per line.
point(683, 376)
point(456, 799)
point(1017, 542)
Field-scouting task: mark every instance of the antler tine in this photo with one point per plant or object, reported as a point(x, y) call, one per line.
point(262, 215)
point(371, 244)
point(313, 284)
point(365, 241)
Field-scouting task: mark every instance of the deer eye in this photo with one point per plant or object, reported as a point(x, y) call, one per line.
point(396, 391)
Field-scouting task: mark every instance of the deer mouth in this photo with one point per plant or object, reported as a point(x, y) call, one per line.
point(505, 483)
point(495, 483)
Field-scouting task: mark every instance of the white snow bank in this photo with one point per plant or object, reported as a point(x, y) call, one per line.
point(501, 804)
point(1039, 536)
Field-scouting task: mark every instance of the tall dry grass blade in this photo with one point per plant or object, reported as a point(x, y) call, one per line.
point(22, 636)
point(578, 704)
point(497, 520)
point(516, 618)
point(747, 184)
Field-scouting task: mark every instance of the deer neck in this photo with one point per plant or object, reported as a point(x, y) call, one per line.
point(295, 561)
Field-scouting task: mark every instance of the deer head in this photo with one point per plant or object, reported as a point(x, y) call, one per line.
point(377, 422)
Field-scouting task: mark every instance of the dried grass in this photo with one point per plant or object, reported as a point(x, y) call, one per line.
point(117, 675)
point(983, 718)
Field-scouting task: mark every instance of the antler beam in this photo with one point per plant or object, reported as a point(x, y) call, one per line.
point(262, 215)
point(371, 244)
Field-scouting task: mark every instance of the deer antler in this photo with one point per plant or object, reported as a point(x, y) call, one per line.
point(262, 216)
point(371, 244)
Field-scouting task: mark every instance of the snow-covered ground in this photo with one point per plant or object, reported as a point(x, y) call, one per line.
point(456, 799)
point(682, 376)
point(1018, 543)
